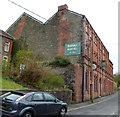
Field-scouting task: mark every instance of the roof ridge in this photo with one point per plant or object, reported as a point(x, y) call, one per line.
point(32, 17)
point(24, 13)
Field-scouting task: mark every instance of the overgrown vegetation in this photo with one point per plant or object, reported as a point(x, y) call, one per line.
point(33, 73)
point(53, 82)
point(60, 61)
point(19, 44)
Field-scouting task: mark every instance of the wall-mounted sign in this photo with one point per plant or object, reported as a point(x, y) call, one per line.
point(73, 48)
point(94, 66)
point(103, 64)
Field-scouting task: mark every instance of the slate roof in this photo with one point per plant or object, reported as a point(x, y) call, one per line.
point(5, 34)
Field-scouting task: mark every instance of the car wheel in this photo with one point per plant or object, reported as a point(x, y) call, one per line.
point(62, 112)
point(27, 114)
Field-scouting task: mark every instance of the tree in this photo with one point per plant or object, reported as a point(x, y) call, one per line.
point(22, 56)
point(117, 79)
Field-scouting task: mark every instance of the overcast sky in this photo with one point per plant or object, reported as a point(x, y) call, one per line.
point(102, 14)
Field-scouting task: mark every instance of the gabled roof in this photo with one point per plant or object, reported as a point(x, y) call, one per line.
point(25, 14)
point(35, 19)
point(76, 13)
point(49, 19)
point(5, 34)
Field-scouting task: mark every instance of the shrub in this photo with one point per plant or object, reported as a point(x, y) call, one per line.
point(23, 56)
point(53, 82)
point(60, 61)
point(31, 74)
point(9, 70)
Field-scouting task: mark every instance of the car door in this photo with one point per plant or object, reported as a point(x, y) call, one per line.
point(39, 104)
point(53, 107)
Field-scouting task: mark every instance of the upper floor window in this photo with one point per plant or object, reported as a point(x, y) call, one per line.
point(95, 39)
point(6, 46)
point(90, 34)
point(103, 51)
point(86, 28)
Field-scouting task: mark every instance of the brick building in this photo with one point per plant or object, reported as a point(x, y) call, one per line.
point(67, 27)
point(7, 43)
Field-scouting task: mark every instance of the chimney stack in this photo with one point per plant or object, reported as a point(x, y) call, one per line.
point(62, 7)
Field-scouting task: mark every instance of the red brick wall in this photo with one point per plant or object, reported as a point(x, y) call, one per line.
point(63, 33)
point(78, 83)
point(98, 55)
point(20, 27)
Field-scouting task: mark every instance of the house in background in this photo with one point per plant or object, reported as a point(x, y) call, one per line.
point(65, 31)
point(6, 46)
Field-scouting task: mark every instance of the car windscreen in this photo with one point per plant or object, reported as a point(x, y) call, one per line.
point(12, 96)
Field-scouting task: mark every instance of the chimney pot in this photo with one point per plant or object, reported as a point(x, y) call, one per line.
point(62, 7)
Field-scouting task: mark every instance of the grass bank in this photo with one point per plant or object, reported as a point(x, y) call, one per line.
point(6, 83)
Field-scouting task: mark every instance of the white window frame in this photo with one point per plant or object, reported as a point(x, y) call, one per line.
point(6, 58)
point(7, 46)
point(86, 28)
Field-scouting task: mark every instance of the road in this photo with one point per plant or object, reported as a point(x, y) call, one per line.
point(106, 107)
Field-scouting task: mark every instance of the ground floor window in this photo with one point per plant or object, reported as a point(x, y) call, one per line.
point(5, 60)
point(86, 80)
point(95, 84)
point(104, 86)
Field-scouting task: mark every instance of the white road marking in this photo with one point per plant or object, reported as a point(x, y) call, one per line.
point(111, 114)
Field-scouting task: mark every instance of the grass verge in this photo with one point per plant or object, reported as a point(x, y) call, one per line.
point(6, 83)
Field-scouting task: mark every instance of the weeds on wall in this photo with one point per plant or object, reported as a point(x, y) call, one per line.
point(60, 61)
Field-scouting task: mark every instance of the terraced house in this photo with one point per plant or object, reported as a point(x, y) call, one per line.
point(68, 33)
point(6, 48)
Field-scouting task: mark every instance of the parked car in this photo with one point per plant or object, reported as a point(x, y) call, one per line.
point(26, 103)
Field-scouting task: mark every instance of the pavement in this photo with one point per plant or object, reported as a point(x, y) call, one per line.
point(88, 103)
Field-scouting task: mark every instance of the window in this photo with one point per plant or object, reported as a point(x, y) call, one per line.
point(6, 47)
point(103, 51)
point(86, 80)
point(29, 98)
point(49, 97)
point(38, 97)
point(95, 39)
point(95, 84)
point(12, 96)
point(104, 85)
point(86, 28)
point(100, 46)
point(5, 60)
point(90, 34)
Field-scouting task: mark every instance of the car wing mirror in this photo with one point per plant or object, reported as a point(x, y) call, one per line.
point(56, 100)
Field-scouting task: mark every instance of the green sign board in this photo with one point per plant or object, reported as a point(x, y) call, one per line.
point(103, 64)
point(73, 48)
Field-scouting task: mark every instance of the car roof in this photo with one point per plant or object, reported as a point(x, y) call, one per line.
point(24, 91)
